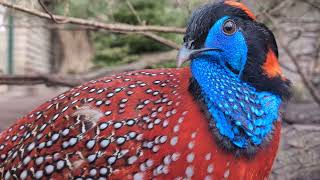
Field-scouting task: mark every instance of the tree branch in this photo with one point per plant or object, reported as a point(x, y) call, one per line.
point(71, 81)
point(151, 35)
point(44, 7)
point(113, 27)
point(161, 40)
point(144, 61)
point(116, 27)
point(307, 82)
point(47, 79)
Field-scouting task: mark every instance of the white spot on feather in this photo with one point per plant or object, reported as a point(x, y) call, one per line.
point(138, 176)
point(226, 173)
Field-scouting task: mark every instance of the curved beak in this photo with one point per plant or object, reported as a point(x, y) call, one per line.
point(186, 54)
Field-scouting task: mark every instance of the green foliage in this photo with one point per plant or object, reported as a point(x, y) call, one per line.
point(81, 8)
point(150, 12)
point(114, 49)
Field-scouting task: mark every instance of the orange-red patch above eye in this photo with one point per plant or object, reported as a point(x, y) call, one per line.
point(242, 7)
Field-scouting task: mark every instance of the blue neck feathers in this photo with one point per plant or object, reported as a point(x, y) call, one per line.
point(240, 113)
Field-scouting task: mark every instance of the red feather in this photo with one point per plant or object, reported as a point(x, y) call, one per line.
point(136, 125)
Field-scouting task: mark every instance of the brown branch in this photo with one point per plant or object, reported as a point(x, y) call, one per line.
point(113, 27)
point(134, 12)
point(71, 81)
point(306, 81)
point(284, 66)
point(280, 6)
point(145, 61)
point(151, 35)
point(301, 21)
point(44, 7)
point(117, 28)
point(47, 79)
point(161, 40)
point(49, 26)
point(313, 4)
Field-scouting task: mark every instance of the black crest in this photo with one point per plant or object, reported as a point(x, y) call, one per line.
point(205, 16)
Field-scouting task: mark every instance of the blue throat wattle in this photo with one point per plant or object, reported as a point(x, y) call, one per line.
point(240, 113)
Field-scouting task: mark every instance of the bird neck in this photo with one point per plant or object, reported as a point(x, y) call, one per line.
point(241, 117)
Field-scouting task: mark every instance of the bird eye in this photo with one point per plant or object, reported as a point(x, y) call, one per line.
point(229, 27)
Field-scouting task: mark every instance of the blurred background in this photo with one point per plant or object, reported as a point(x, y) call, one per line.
point(42, 55)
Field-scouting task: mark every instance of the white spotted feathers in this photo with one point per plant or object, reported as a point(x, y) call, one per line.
point(136, 125)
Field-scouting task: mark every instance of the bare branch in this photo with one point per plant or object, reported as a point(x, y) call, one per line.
point(161, 40)
point(47, 79)
point(307, 82)
point(313, 4)
point(49, 26)
point(117, 28)
point(113, 27)
point(151, 35)
point(301, 21)
point(284, 66)
point(134, 12)
point(71, 81)
point(51, 15)
point(145, 61)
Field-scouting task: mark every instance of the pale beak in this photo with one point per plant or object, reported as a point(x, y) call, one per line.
point(186, 54)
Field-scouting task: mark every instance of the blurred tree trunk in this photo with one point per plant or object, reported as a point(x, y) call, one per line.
point(299, 155)
point(74, 52)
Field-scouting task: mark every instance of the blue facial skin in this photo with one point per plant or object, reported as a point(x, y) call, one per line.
point(241, 113)
point(234, 46)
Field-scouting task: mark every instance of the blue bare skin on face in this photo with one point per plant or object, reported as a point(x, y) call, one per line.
point(241, 113)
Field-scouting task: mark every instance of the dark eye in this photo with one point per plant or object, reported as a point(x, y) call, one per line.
point(229, 27)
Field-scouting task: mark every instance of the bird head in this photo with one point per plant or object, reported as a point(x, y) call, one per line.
point(229, 33)
point(235, 72)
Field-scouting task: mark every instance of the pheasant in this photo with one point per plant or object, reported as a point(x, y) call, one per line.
point(217, 119)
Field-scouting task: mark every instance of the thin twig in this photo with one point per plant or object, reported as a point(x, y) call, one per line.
point(44, 7)
point(313, 4)
point(151, 35)
point(113, 27)
point(48, 26)
point(301, 20)
point(116, 28)
point(284, 66)
point(134, 12)
point(307, 82)
point(161, 40)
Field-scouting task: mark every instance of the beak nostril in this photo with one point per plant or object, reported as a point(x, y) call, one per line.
point(186, 54)
point(191, 44)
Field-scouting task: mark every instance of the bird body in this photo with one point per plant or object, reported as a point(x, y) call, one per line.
point(218, 119)
point(135, 125)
